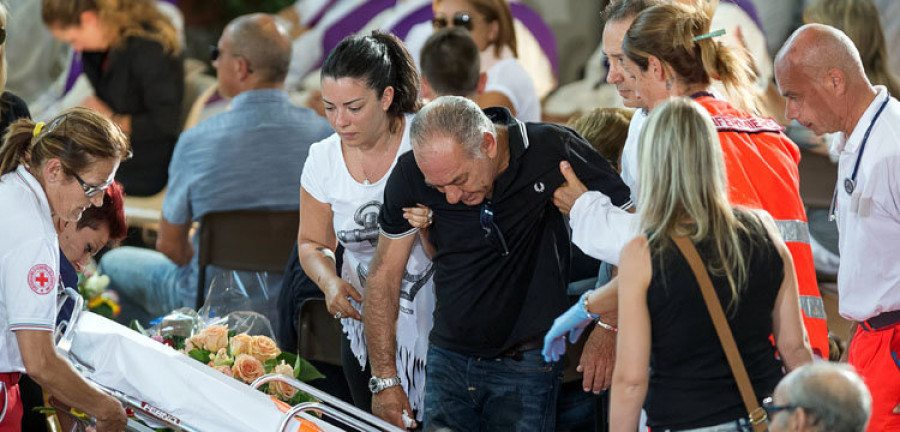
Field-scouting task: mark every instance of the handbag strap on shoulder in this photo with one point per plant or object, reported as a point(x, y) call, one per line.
point(757, 416)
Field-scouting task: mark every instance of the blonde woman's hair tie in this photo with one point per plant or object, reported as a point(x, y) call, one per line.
point(38, 127)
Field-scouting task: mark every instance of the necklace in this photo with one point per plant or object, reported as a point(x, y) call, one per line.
point(380, 161)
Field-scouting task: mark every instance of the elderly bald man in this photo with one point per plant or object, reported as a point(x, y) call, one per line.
point(820, 397)
point(820, 73)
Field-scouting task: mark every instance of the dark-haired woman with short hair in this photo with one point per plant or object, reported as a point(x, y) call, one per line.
point(370, 90)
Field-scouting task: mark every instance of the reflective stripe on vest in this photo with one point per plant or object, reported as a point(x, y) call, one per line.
point(793, 230)
point(812, 306)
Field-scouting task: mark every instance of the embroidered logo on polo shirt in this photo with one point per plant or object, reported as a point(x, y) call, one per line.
point(539, 187)
point(41, 279)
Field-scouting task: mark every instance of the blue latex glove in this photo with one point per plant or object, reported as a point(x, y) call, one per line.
point(573, 322)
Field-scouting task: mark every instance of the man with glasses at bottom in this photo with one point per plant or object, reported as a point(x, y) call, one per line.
point(819, 397)
point(501, 263)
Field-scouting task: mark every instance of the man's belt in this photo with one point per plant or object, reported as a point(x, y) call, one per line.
point(523, 345)
point(881, 321)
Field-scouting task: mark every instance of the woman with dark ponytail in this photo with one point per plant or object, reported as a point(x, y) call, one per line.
point(49, 172)
point(370, 90)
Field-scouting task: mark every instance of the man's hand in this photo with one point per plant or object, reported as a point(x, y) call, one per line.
point(390, 404)
point(564, 196)
point(598, 359)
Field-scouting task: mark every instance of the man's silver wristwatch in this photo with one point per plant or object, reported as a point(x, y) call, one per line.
point(377, 385)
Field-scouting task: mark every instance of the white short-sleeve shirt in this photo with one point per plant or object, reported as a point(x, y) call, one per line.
point(29, 264)
point(355, 207)
point(507, 76)
point(868, 219)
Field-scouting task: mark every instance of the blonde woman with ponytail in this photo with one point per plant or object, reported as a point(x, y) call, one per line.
point(132, 58)
point(671, 50)
point(663, 320)
point(48, 171)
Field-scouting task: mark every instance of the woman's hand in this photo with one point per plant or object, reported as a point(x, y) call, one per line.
point(337, 297)
point(419, 216)
point(572, 322)
point(114, 419)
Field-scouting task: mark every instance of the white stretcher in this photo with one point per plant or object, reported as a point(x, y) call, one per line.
point(165, 388)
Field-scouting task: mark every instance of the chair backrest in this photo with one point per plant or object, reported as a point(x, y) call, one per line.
point(245, 240)
point(318, 333)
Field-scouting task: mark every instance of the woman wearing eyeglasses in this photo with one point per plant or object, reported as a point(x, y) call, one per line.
point(491, 24)
point(132, 58)
point(370, 89)
point(54, 170)
point(97, 228)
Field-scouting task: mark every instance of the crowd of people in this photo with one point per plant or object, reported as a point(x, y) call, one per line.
point(465, 245)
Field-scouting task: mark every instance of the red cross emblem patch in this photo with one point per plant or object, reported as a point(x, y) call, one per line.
point(41, 279)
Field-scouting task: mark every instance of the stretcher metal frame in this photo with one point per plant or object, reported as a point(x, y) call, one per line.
point(346, 415)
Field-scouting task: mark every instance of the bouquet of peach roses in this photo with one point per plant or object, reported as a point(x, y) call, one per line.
point(246, 358)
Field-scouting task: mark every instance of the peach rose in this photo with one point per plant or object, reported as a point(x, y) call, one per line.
point(214, 337)
point(225, 370)
point(282, 390)
point(247, 368)
point(240, 344)
point(264, 348)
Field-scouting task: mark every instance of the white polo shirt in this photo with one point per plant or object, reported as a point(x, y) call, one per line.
point(29, 264)
point(868, 220)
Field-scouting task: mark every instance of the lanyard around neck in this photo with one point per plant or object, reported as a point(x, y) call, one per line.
point(850, 182)
point(862, 147)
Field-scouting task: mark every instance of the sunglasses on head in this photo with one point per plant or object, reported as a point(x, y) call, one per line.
point(461, 19)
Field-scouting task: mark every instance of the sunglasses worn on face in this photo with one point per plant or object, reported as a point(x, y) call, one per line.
point(91, 190)
point(215, 53)
point(461, 19)
point(2, 35)
point(772, 409)
point(492, 232)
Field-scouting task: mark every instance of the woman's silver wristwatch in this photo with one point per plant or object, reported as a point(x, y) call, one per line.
point(377, 385)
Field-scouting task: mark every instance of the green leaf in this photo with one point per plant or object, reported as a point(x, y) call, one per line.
point(136, 326)
point(177, 341)
point(300, 397)
point(305, 371)
point(199, 354)
point(103, 310)
point(288, 358)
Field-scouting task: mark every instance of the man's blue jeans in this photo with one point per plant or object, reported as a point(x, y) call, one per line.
point(464, 393)
point(145, 279)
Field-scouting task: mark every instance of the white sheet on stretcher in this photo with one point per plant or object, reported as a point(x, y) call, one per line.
point(194, 394)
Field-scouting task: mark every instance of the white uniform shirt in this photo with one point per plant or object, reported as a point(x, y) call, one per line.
point(868, 220)
point(355, 208)
point(29, 264)
point(593, 212)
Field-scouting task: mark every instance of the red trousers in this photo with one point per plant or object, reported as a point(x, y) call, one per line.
point(9, 393)
point(875, 356)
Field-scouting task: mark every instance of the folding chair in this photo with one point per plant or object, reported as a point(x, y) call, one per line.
point(245, 240)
